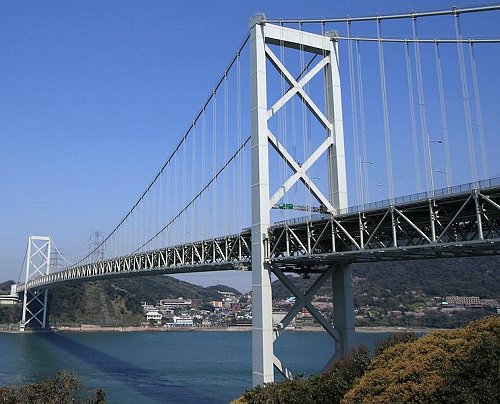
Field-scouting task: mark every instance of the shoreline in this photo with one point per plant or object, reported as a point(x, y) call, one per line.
point(88, 328)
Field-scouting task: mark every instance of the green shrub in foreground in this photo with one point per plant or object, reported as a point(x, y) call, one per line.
point(63, 388)
point(328, 387)
point(455, 366)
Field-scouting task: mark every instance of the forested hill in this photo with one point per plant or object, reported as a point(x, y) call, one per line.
point(5, 286)
point(120, 299)
point(453, 276)
point(115, 301)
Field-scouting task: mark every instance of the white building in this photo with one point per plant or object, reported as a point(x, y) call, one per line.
point(179, 303)
point(154, 315)
point(10, 299)
point(183, 321)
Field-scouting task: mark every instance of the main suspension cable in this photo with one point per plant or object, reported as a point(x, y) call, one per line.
point(212, 180)
point(173, 153)
point(453, 11)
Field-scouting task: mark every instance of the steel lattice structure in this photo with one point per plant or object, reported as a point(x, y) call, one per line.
point(464, 223)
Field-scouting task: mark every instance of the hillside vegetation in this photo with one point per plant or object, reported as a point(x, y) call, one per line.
point(458, 366)
point(62, 388)
point(410, 293)
point(478, 276)
point(118, 301)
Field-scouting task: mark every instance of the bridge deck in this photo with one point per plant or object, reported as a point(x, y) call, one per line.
point(446, 224)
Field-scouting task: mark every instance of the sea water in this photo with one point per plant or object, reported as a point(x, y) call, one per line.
point(159, 367)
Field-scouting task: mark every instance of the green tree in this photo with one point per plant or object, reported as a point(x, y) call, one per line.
point(446, 367)
point(63, 388)
point(328, 387)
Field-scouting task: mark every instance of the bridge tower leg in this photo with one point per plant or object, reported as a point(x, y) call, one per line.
point(343, 308)
point(325, 46)
point(262, 331)
point(37, 264)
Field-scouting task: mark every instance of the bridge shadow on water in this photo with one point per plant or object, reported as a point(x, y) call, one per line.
point(155, 387)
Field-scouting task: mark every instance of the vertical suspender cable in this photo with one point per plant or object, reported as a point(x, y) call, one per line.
point(195, 215)
point(387, 132)
point(479, 116)
point(294, 135)
point(204, 170)
point(167, 206)
point(305, 139)
point(152, 213)
point(354, 119)
point(229, 207)
point(328, 98)
point(160, 207)
point(137, 226)
point(303, 107)
point(239, 178)
point(364, 156)
point(444, 121)
point(413, 118)
point(214, 163)
point(422, 112)
point(176, 189)
point(282, 116)
point(140, 235)
point(465, 98)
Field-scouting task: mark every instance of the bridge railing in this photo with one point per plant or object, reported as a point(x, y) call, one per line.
point(417, 197)
point(422, 196)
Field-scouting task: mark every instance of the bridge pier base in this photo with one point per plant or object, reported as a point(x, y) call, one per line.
point(343, 308)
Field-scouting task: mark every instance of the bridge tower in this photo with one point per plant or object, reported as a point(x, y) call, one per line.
point(326, 48)
point(37, 264)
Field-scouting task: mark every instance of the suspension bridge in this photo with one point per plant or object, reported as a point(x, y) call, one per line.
point(401, 107)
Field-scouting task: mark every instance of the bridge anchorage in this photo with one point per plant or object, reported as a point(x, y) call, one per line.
point(453, 221)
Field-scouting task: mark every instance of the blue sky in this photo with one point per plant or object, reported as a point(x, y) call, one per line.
point(94, 95)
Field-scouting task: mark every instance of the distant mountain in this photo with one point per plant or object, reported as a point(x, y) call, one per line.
point(5, 286)
point(224, 288)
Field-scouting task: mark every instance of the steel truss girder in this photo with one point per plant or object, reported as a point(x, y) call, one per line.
point(310, 245)
point(461, 224)
point(232, 252)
